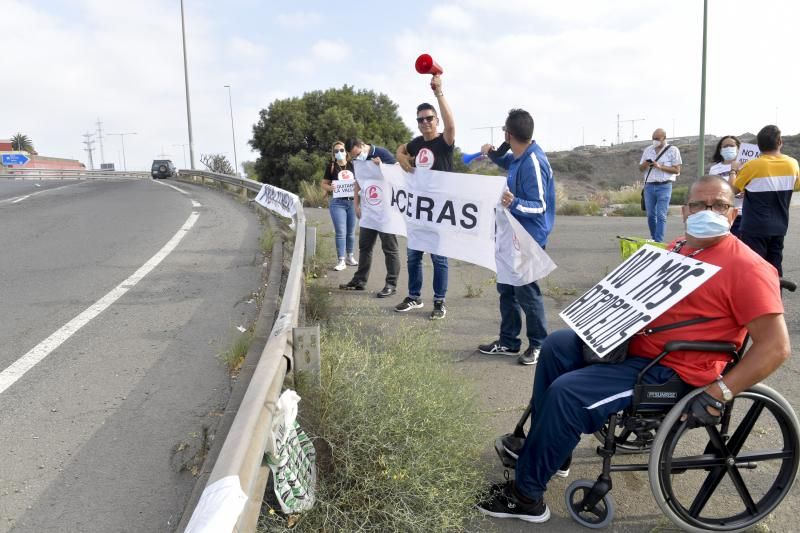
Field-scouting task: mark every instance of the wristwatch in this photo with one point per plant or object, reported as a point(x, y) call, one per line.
point(727, 395)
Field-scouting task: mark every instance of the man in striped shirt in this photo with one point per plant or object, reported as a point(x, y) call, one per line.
point(767, 182)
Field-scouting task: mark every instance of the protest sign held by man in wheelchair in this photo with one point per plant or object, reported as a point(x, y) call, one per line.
point(672, 323)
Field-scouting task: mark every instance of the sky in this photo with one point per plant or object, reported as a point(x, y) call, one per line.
point(575, 65)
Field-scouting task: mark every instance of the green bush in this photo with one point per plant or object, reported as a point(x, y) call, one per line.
point(576, 208)
point(398, 433)
point(629, 210)
point(312, 194)
point(679, 195)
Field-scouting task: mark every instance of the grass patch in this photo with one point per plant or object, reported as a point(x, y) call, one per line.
point(554, 291)
point(626, 195)
point(398, 432)
point(629, 210)
point(577, 208)
point(318, 303)
point(234, 356)
point(267, 240)
point(679, 194)
point(312, 194)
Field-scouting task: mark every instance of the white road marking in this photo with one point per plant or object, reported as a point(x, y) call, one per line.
point(20, 367)
point(17, 200)
point(196, 204)
point(172, 187)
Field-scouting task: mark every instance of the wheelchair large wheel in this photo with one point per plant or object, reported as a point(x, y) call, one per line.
point(598, 516)
point(726, 477)
point(627, 441)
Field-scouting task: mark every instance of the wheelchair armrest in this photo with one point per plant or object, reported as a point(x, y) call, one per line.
point(700, 346)
point(790, 286)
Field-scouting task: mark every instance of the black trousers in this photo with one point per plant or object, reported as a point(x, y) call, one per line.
point(770, 247)
point(366, 242)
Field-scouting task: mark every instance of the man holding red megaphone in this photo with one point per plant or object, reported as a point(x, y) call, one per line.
point(431, 150)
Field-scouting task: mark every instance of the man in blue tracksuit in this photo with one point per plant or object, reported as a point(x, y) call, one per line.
point(531, 197)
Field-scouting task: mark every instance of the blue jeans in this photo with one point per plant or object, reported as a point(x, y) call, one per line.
point(343, 215)
point(656, 202)
point(571, 398)
point(514, 301)
point(415, 274)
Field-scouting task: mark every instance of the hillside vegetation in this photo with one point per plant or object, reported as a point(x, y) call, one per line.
point(587, 170)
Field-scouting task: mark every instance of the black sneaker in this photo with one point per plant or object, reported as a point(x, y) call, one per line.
point(386, 291)
point(530, 356)
point(408, 304)
point(512, 446)
point(495, 348)
point(503, 502)
point(439, 310)
point(352, 285)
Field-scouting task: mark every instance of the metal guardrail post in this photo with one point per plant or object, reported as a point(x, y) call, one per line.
point(311, 243)
point(306, 352)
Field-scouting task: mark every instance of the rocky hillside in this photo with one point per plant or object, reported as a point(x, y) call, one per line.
point(589, 169)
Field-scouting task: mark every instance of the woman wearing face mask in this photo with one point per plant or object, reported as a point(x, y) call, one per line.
point(339, 180)
point(726, 166)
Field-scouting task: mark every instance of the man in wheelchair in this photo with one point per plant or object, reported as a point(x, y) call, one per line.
point(571, 397)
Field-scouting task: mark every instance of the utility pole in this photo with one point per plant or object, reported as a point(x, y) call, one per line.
point(491, 129)
point(186, 79)
point(122, 140)
point(184, 152)
point(233, 134)
point(633, 122)
point(100, 140)
point(89, 148)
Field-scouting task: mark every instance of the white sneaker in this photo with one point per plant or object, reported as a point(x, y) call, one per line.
point(351, 260)
point(340, 265)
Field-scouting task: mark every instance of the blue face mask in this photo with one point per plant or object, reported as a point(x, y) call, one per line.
point(728, 153)
point(340, 156)
point(362, 156)
point(707, 224)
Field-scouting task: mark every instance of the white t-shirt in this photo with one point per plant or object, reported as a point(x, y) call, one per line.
point(671, 158)
point(723, 170)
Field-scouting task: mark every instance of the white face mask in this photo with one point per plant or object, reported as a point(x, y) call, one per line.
point(707, 224)
point(728, 153)
point(656, 143)
point(362, 156)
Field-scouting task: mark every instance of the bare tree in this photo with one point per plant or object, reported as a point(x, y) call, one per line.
point(217, 163)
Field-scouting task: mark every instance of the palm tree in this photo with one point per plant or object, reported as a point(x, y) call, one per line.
point(22, 143)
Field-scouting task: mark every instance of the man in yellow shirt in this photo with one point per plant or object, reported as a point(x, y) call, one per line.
point(767, 182)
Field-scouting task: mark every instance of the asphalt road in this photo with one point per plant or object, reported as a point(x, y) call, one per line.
point(102, 433)
point(585, 249)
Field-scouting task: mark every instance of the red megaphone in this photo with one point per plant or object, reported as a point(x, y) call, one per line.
point(426, 65)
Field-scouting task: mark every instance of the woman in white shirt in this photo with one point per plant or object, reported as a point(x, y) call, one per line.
point(726, 166)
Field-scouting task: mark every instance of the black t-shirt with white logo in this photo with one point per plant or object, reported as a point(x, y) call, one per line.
point(435, 154)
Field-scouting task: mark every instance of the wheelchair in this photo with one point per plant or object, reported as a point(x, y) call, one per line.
point(726, 477)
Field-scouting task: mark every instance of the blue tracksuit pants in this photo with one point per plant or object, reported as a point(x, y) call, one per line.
point(571, 398)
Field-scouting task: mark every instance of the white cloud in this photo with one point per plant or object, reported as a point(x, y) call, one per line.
point(299, 20)
point(452, 17)
point(247, 49)
point(328, 50)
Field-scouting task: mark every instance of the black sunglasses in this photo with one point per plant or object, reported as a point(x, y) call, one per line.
point(429, 118)
point(338, 150)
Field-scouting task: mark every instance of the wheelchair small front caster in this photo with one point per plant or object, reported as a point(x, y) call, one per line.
point(598, 516)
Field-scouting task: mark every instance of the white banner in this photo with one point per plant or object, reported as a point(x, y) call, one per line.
point(278, 201)
point(519, 258)
point(637, 292)
point(747, 152)
point(345, 186)
point(445, 213)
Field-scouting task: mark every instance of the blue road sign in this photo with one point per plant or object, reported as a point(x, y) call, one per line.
point(14, 159)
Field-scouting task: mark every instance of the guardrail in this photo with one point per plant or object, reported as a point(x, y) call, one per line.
point(50, 173)
point(249, 438)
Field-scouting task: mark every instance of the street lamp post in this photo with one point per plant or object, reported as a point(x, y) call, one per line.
point(701, 151)
point(233, 131)
point(186, 79)
point(184, 152)
point(122, 140)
